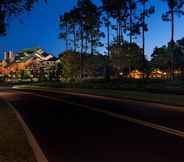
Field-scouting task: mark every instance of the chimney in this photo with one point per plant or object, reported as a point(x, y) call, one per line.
point(9, 57)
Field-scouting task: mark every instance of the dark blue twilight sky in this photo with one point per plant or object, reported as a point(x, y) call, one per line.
point(39, 28)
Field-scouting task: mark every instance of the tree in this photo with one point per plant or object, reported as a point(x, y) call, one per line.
point(130, 56)
point(71, 65)
point(174, 8)
point(95, 65)
point(179, 55)
point(12, 8)
point(160, 58)
point(26, 74)
point(73, 26)
point(92, 24)
point(107, 23)
point(90, 17)
point(64, 26)
point(132, 28)
point(117, 9)
point(146, 12)
point(134, 55)
point(73, 22)
point(59, 70)
point(85, 22)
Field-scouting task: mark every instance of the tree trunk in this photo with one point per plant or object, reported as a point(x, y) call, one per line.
point(66, 38)
point(91, 45)
point(130, 26)
point(119, 43)
point(172, 45)
point(81, 53)
point(143, 39)
point(108, 52)
point(130, 5)
point(74, 39)
point(86, 45)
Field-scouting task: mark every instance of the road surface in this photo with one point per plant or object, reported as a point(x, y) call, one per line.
point(73, 128)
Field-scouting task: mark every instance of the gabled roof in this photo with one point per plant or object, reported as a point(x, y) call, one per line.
point(45, 54)
point(31, 54)
point(52, 59)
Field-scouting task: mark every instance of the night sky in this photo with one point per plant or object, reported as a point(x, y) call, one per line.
point(39, 28)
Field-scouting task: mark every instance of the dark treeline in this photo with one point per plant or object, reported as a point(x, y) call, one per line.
point(87, 27)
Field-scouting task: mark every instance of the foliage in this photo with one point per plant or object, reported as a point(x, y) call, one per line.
point(95, 65)
point(160, 58)
point(125, 57)
point(175, 7)
point(71, 65)
point(26, 74)
point(118, 10)
point(59, 70)
point(81, 23)
point(12, 8)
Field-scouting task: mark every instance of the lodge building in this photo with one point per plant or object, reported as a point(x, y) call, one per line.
point(34, 59)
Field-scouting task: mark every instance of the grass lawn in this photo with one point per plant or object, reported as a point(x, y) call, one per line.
point(13, 141)
point(170, 99)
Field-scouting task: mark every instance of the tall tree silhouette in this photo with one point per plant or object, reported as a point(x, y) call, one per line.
point(73, 27)
point(64, 23)
point(146, 12)
point(132, 28)
point(92, 23)
point(80, 16)
point(89, 26)
point(174, 8)
point(132, 16)
point(118, 9)
point(106, 7)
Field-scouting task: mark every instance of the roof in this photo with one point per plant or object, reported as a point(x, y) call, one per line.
point(24, 57)
point(52, 59)
point(45, 54)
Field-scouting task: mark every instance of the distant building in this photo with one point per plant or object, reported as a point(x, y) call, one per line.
point(2, 69)
point(136, 74)
point(9, 57)
point(158, 74)
point(35, 60)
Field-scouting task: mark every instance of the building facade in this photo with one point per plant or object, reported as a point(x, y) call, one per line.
point(35, 60)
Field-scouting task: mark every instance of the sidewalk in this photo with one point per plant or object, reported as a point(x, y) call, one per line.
point(14, 145)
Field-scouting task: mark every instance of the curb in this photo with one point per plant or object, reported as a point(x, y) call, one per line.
point(39, 155)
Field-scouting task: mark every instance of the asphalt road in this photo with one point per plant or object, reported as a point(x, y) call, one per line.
point(72, 133)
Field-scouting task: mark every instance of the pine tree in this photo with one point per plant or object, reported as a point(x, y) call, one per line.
point(174, 8)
